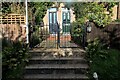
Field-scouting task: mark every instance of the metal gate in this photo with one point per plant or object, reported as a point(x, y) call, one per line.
point(56, 35)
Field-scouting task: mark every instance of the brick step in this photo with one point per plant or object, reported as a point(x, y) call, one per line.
point(55, 77)
point(40, 60)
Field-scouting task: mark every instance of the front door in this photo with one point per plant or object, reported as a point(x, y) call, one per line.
point(66, 22)
point(52, 22)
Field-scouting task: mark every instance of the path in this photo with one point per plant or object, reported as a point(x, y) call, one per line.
point(51, 42)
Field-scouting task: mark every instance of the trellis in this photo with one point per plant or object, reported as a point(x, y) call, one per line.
point(12, 19)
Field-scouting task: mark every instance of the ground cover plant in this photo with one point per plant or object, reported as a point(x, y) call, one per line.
point(103, 60)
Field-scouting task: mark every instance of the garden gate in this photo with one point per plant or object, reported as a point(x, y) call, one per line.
point(59, 32)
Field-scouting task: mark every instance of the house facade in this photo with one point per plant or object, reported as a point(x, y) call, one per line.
point(62, 16)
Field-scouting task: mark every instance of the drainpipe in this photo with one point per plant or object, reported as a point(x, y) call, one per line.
point(27, 22)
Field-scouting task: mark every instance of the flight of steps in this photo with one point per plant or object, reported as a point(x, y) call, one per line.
point(44, 65)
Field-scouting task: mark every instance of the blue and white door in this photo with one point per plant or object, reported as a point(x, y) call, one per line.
point(53, 20)
point(66, 20)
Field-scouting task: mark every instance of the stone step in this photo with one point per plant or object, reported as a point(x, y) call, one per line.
point(63, 60)
point(57, 71)
point(57, 66)
point(49, 64)
point(40, 50)
point(55, 77)
point(57, 55)
point(51, 68)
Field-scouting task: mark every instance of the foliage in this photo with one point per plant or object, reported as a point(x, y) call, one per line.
point(13, 7)
point(34, 40)
point(98, 16)
point(103, 61)
point(77, 29)
point(13, 56)
point(94, 11)
point(5, 8)
point(93, 48)
point(18, 7)
point(118, 20)
point(35, 37)
point(77, 32)
point(38, 10)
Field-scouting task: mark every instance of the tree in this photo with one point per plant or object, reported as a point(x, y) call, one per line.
point(38, 10)
point(5, 8)
point(93, 11)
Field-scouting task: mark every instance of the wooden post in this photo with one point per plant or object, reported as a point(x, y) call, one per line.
point(26, 22)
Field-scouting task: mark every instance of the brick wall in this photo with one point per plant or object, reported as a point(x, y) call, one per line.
point(13, 31)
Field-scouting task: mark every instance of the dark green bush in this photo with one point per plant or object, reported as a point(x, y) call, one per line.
point(34, 40)
point(103, 61)
point(77, 32)
point(14, 56)
point(35, 37)
point(117, 20)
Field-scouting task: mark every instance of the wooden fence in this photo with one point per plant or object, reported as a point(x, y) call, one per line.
point(12, 19)
point(13, 32)
point(12, 26)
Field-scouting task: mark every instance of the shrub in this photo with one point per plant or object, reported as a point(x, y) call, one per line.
point(14, 56)
point(35, 37)
point(77, 32)
point(34, 40)
point(117, 20)
point(103, 61)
